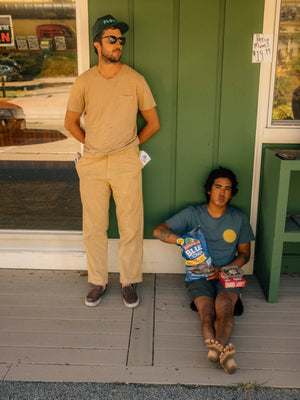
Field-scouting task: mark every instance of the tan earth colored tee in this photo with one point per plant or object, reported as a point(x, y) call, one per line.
point(110, 108)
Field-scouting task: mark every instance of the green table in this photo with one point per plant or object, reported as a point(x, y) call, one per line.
point(274, 228)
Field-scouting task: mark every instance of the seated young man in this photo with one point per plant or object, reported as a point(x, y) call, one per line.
point(228, 235)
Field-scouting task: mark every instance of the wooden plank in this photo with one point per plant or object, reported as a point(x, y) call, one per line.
point(188, 328)
point(141, 337)
point(53, 277)
point(168, 292)
point(193, 340)
point(32, 355)
point(87, 313)
point(289, 278)
point(196, 358)
point(243, 330)
point(280, 362)
point(169, 281)
point(246, 344)
point(24, 300)
point(182, 358)
point(58, 340)
point(279, 317)
point(151, 375)
point(64, 326)
point(258, 317)
point(4, 368)
point(267, 330)
point(282, 306)
point(39, 290)
point(183, 303)
point(291, 295)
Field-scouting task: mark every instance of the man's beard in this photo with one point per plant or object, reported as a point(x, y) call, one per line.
point(108, 58)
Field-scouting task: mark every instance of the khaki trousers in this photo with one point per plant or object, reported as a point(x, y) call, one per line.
point(120, 174)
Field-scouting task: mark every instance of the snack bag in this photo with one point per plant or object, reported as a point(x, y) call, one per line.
point(196, 255)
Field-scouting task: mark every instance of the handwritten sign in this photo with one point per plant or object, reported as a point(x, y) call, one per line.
point(262, 48)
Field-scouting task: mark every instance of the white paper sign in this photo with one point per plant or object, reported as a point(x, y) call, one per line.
point(21, 42)
point(262, 48)
point(60, 43)
point(33, 43)
point(144, 157)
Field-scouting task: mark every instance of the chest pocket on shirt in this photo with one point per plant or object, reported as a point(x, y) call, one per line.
point(125, 104)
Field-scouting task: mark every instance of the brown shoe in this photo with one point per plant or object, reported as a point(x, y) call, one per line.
point(130, 297)
point(95, 296)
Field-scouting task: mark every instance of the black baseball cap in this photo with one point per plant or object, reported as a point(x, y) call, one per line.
point(106, 22)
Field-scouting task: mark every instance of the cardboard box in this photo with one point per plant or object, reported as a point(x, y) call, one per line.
point(230, 280)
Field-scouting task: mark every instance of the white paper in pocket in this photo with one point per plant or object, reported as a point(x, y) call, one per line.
point(144, 157)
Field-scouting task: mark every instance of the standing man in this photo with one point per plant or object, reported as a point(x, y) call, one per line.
point(110, 95)
point(228, 235)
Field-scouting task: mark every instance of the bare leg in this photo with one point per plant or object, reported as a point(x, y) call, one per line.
point(206, 309)
point(224, 324)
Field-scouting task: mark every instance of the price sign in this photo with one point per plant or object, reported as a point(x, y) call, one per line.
point(262, 48)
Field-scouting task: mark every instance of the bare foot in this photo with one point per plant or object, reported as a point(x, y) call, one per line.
point(214, 349)
point(226, 359)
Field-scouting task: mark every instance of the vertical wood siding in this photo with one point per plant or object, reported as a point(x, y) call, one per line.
point(196, 57)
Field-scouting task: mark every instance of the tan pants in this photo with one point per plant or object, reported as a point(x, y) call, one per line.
point(118, 173)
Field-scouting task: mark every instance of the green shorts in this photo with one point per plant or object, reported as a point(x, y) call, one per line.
point(212, 288)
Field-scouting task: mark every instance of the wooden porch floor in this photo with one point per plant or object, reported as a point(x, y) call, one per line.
point(47, 334)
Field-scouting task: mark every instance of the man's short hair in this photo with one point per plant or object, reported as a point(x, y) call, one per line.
point(99, 40)
point(221, 173)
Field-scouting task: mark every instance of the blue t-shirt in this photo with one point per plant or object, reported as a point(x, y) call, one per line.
point(222, 234)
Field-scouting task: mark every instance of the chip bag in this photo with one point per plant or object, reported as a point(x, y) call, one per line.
point(195, 252)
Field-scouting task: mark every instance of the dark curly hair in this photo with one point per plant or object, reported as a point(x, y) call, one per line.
point(221, 173)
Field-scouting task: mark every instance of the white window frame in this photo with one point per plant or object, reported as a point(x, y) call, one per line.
point(82, 27)
point(265, 131)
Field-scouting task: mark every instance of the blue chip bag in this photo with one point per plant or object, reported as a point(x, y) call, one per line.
point(195, 252)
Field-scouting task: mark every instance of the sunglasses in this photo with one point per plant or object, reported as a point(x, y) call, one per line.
point(112, 39)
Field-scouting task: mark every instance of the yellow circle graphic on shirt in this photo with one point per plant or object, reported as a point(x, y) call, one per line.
point(229, 236)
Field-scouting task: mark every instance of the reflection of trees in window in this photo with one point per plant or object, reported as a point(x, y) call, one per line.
point(286, 97)
point(37, 67)
point(45, 39)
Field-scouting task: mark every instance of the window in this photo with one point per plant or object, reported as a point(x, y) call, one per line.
point(286, 98)
point(38, 64)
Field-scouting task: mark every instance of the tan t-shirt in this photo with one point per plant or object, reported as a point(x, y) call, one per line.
point(110, 108)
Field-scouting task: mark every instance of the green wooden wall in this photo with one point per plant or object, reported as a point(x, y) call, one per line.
point(196, 57)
